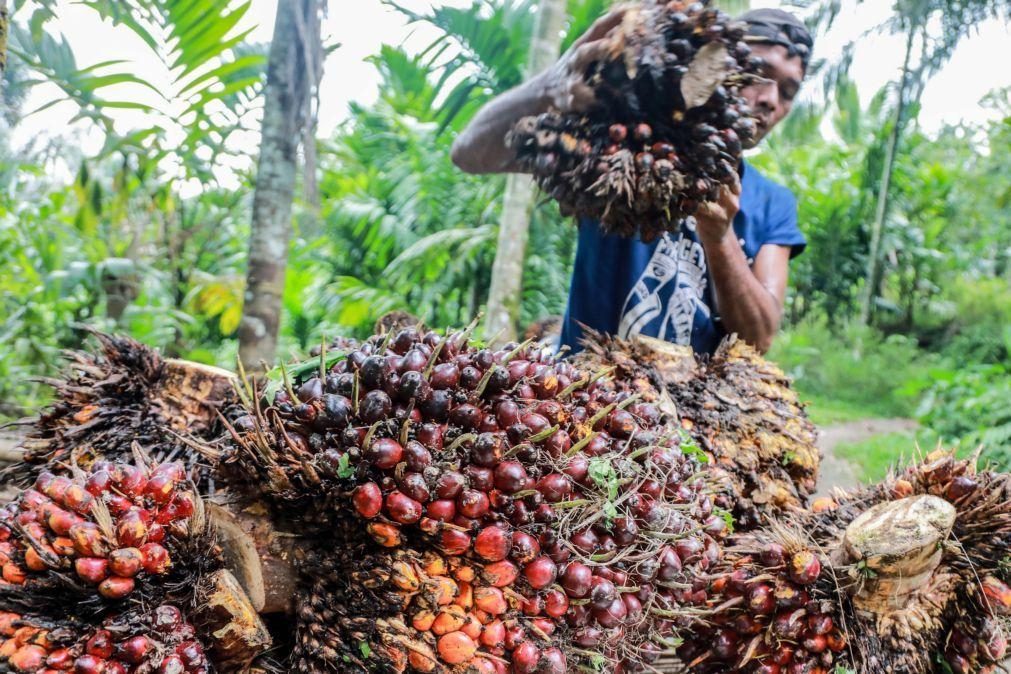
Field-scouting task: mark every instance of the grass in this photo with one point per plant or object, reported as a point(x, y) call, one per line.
point(826, 411)
point(873, 457)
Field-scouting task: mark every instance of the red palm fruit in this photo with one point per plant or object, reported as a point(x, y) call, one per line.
point(131, 531)
point(126, 562)
point(384, 453)
point(29, 658)
point(416, 456)
point(760, 599)
point(525, 658)
point(501, 574)
point(423, 620)
point(386, 535)
point(160, 488)
point(747, 625)
point(61, 658)
point(789, 625)
point(552, 662)
point(155, 558)
point(492, 544)
point(773, 555)
point(78, 499)
point(612, 616)
point(367, 499)
point(172, 664)
point(130, 480)
point(670, 566)
point(585, 541)
point(524, 548)
point(92, 569)
point(473, 504)
point(836, 641)
point(56, 488)
point(960, 487)
point(998, 596)
point(815, 644)
point(456, 648)
point(98, 482)
point(116, 587)
point(804, 567)
point(100, 644)
point(555, 603)
point(490, 600)
point(577, 579)
point(493, 635)
point(455, 542)
point(554, 487)
point(689, 549)
point(578, 468)
point(510, 477)
point(540, 573)
point(180, 508)
point(414, 485)
point(819, 624)
point(449, 619)
point(532, 605)
point(450, 484)
point(402, 508)
point(88, 539)
point(994, 646)
point(633, 607)
point(443, 510)
point(134, 649)
point(44, 481)
point(118, 504)
point(725, 644)
point(958, 663)
point(61, 520)
point(192, 655)
point(167, 618)
point(602, 593)
point(13, 574)
point(767, 668)
point(89, 664)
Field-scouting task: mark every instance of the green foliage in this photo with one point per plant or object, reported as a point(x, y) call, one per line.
point(861, 368)
point(874, 457)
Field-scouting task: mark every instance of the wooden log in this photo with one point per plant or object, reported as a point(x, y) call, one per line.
point(237, 634)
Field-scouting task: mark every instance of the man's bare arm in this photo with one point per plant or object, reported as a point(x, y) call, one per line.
point(749, 298)
point(481, 147)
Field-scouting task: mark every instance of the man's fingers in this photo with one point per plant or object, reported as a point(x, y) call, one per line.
point(603, 25)
point(588, 53)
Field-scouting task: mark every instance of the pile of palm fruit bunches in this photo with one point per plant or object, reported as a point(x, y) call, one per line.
point(666, 127)
point(420, 502)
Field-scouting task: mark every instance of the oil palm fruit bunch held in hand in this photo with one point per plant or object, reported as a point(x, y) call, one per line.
point(666, 129)
point(906, 576)
point(484, 510)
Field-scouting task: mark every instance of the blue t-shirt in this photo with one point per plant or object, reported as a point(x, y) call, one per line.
point(624, 287)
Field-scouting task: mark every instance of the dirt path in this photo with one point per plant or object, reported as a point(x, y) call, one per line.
point(838, 472)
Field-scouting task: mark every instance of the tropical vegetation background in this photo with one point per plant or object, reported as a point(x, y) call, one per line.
point(179, 231)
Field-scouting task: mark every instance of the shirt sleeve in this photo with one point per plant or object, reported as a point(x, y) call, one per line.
point(782, 223)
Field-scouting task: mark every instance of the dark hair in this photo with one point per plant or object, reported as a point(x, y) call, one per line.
point(775, 26)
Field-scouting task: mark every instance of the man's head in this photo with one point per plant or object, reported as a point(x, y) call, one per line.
point(785, 44)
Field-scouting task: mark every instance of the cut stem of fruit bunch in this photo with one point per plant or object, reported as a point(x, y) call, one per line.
point(667, 127)
point(906, 576)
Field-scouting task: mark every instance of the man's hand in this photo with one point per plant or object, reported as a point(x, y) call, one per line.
point(563, 83)
point(715, 219)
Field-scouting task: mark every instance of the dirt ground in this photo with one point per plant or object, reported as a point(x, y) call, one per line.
point(837, 472)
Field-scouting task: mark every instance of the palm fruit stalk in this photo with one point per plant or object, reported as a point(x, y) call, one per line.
point(666, 129)
point(906, 576)
point(137, 641)
point(737, 407)
point(474, 510)
point(121, 396)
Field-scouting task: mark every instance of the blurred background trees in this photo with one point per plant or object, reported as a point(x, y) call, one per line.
point(151, 234)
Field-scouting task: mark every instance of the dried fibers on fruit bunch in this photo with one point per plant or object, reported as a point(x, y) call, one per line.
point(467, 509)
point(666, 129)
point(906, 576)
point(738, 407)
point(125, 394)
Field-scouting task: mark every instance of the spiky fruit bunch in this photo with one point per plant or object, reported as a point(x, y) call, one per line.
point(737, 406)
point(567, 499)
point(137, 642)
point(122, 396)
point(102, 535)
point(666, 129)
point(906, 576)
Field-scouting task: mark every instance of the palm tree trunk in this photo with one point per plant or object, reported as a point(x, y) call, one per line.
point(874, 254)
point(285, 115)
point(514, 228)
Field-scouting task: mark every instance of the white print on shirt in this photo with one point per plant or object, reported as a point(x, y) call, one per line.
point(673, 284)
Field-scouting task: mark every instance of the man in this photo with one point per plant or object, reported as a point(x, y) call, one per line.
point(724, 273)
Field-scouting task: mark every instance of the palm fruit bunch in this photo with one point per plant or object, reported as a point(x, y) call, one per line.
point(121, 531)
point(468, 509)
point(666, 129)
point(138, 641)
point(906, 576)
point(736, 406)
point(126, 395)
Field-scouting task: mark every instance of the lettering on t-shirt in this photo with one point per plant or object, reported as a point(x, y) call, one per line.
point(667, 296)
